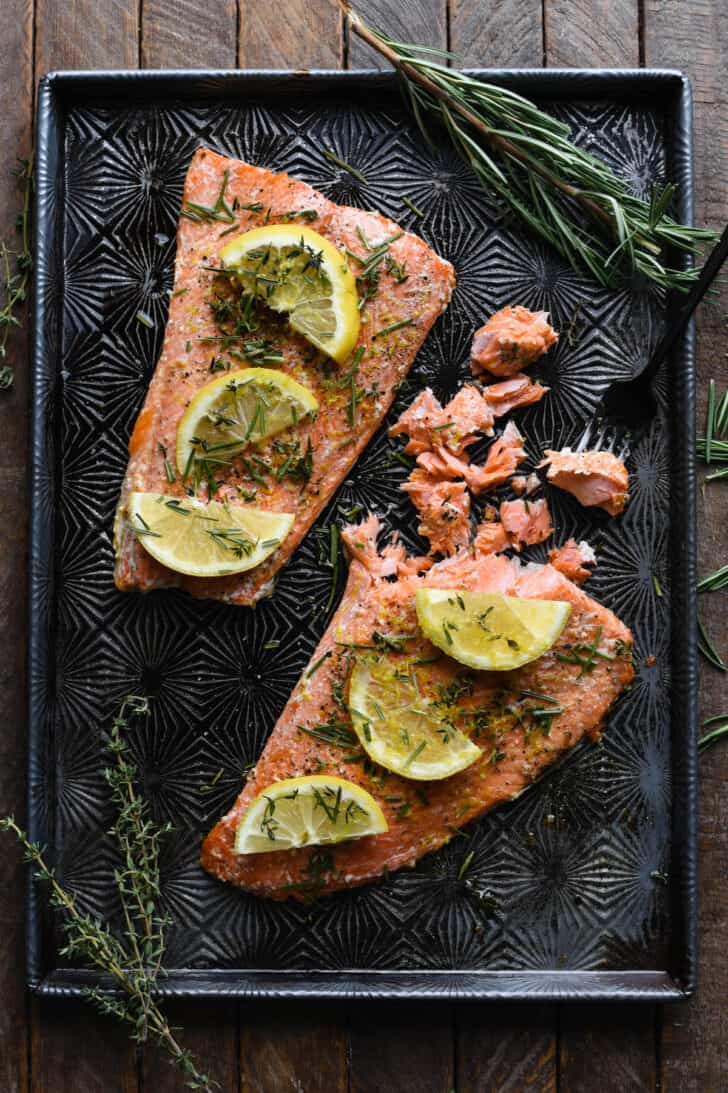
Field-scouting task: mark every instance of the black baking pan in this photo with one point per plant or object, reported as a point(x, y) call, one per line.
point(586, 885)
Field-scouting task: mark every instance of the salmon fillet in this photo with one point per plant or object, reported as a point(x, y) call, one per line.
point(414, 288)
point(423, 816)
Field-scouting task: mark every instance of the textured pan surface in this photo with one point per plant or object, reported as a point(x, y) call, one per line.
point(579, 878)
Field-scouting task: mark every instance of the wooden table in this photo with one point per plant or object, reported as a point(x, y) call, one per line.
point(310, 1048)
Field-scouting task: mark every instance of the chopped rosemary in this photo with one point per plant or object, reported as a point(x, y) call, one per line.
point(167, 466)
point(411, 205)
point(145, 319)
point(207, 214)
point(392, 327)
point(332, 158)
point(315, 667)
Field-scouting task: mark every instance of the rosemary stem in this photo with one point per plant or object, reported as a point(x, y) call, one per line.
point(496, 139)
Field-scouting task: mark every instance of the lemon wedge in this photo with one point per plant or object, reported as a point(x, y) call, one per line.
point(401, 726)
point(299, 273)
point(487, 630)
point(205, 540)
point(310, 811)
point(238, 409)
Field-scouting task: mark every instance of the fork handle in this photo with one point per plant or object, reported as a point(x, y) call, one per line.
point(676, 327)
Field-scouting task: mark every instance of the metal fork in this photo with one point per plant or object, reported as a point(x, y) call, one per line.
point(628, 406)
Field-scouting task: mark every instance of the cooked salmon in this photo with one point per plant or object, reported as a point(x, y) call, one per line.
point(504, 455)
point(455, 426)
point(572, 558)
point(595, 478)
point(401, 300)
point(527, 522)
point(522, 720)
point(511, 339)
point(513, 393)
point(444, 510)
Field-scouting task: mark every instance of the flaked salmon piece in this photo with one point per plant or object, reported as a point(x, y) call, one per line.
point(511, 339)
point(526, 522)
point(490, 538)
point(596, 479)
point(523, 485)
point(572, 558)
point(444, 510)
point(442, 463)
point(469, 415)
point(504, 455)
point(454, 426)
point(421, 422)
point(512, 394)
point(582, 674)
point(396, 321)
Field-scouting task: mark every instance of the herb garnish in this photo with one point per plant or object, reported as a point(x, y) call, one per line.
point(392, 327)
point(526, 157)
point(411, 205)
point(344, 166)
point(16, 283)
point(207, 214)
point(721, 729)
point(132, 958)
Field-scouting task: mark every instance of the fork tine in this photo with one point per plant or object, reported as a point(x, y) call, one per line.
point(604, 436)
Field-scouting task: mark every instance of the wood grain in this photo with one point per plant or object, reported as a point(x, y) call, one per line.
point(592, 33)
point(694, 38)
point(209, 1029)
point(75, 1051)
point(609, 1048)
point(292, 1048)
point(506, 1049)
point(189, 34)
point(16, 97)
point(422, 21)
point(507, 33)
point(303, 34)
point(86, 34)
point(401, 1049)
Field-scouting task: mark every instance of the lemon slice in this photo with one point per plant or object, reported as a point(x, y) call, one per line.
point(310, 811)
point(205, 540)
point(294, 270)
point(238, 409)
point(400, 726)
point(487, 630)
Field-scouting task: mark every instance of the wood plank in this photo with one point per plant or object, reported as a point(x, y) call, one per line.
point(401, 1048)
point(209, 1029)
point(694, 38)
point(422, 21)
point(78, 1051)
point(294, 1046)
point(86, 34)
point(304, 35)
point(592, 33)
point(507, 33)
point(73, 1048)
point(187, 34)
point(609, 1048)
point(509, 1048)
point(16, 97)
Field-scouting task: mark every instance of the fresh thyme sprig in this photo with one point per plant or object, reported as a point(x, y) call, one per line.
point(526, 158)
point(17, 268)
point(134, 960)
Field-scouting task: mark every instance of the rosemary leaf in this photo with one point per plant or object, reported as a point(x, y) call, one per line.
point(16, 268)
point(526, 158)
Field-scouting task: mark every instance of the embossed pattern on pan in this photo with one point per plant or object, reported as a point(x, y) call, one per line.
point(578, 878)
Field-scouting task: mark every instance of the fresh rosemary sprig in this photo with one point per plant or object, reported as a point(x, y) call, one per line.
point(525, 157)
point(134, 960)
point(17, 268)
point(721, 729)
point(713, 447)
